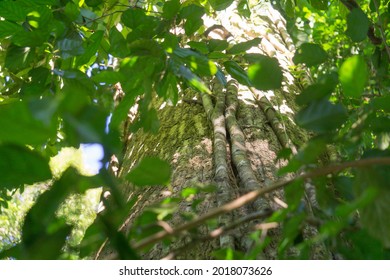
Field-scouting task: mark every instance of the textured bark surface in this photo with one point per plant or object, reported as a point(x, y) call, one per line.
point(229, 140)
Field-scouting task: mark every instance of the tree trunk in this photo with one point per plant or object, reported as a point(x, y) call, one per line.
point(229, 140)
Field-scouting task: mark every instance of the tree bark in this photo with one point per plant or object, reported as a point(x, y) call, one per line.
point(229, 140)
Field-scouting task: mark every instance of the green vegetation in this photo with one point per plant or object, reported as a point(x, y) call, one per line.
point(72, 70)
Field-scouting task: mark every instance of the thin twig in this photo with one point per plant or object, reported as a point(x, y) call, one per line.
point(221, 231)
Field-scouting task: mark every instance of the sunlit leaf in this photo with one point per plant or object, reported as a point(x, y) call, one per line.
point(193, 80)
point(197, 62)
point(353, 75)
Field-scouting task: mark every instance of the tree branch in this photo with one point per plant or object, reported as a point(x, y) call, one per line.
point(251, 196)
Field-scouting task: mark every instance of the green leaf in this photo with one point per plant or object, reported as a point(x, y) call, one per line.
point(18, 58)
point(20, 165)
point(221, 77)
point(121, 111)
point(220, 5)
point(43, 234)
point(193, 15)
point(142, 26)
point(19, 126)
point(360, 245)
point(133, 18)
point(312, 150)
point(147, 119)
point(108, 77)
point(118, 44)
point(243, 8)
point(218, 55)
point(13, 11)
point(146, 47)
point(171, 9)
point(323, 88)
point(93, 3)
point(167, 88)
point(381, 103)
point(374, 215)
point(72, 11)
point(86, 126)
point(71, 46)
point(353, 75)
point(310, 54)
point(199, 46)
point(357, 25)
point(30, 38)
point(215, 45)
point(197, 62)
point(8, 28)
point(192, 79)
point(244, 46)
point(44, 2)
point(289, 7)
point(235, 70)
point(294, 193)
point(319, 4)
point(89, 55)
point(40, 18)
point(149, 172)
point(322, 116)
point(265, 74)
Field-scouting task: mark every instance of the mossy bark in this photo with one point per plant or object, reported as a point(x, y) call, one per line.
point(230, 142)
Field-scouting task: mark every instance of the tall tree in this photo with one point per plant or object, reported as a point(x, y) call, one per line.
point(230, 129)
